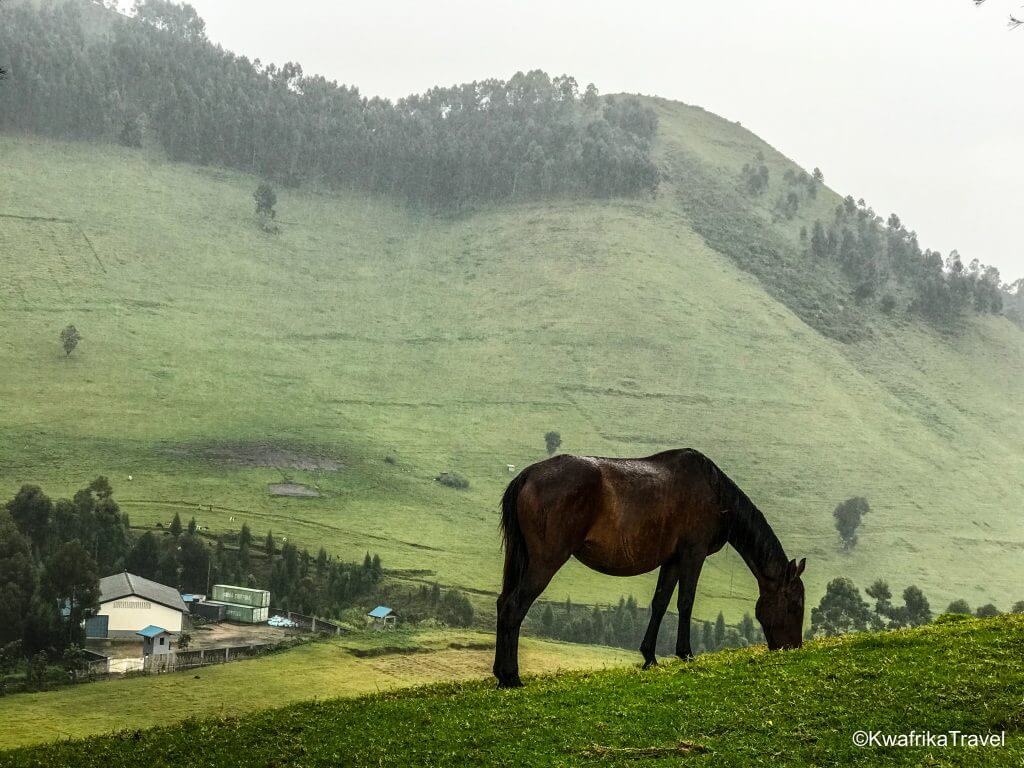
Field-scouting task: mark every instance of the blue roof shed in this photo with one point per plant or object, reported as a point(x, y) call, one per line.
point(152, 631)
point(380, 612)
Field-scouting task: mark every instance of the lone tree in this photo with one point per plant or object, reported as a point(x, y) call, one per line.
point(848, 516)
point(553, 441)
point(266, 199)
point(69, 339)
point(959, 606)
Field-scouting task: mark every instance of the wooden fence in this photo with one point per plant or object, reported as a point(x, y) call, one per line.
point(204, 657)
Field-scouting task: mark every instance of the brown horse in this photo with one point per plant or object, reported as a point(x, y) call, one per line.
point(629, 516)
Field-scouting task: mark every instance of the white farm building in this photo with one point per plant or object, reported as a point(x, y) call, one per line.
point(130, 603)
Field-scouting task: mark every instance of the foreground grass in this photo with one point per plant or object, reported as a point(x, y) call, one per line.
point(320, 670)
point(741, 708)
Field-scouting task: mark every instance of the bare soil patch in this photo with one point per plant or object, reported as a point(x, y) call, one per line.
point(293, 489)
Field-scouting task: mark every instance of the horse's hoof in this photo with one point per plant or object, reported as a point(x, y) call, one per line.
point(511, 682)
point(686, 656)
point(648, 663)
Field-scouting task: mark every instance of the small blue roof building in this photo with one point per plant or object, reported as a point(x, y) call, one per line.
point(155, 640)
point(383, 617)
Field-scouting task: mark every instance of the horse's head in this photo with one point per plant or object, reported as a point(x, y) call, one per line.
point(780, 608)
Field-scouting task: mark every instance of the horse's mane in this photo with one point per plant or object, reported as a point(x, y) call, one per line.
point(749, 532)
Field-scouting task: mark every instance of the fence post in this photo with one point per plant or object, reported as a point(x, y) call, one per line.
point(226, 649)
point(314, 624)
point(201, 651)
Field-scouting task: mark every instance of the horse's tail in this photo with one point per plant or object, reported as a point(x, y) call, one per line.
point(517, 557)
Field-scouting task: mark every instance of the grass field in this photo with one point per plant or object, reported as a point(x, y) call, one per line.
point(735, 708)
point(217, 360)
point(318, 671)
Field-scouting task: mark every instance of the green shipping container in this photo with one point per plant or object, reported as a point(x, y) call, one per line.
point(254, 598)
point(245, 614)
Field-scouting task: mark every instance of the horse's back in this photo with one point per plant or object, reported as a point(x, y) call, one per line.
point(619, 516)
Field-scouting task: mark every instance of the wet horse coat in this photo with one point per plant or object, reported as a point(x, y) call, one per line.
point(625, 517)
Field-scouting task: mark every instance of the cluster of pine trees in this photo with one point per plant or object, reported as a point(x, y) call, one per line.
point(884, 262)
point(156, 75)
point(183, 558)
point(623, 626)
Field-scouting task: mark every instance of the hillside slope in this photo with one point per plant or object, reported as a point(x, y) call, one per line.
point(318, 671)
point(739, 708)
point(217, 359)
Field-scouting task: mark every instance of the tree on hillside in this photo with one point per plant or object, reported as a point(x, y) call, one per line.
point(69, 338)
point(144, 557)
point(547, 620)
point(31, 510)
point(70, 579)
point(987, 611)
point(719, 636)
point(819, 241)
point(266, 199)
point(841, 610)
point(194, 559)
point(755, 175)
point(882, 596)
point(1018, 607)
point(915, 611)
point(175, 527)
point(848, 516)
point(178, 20)
point(959, 606)
point(552, 441)
point(17, 579)
point(268, 544)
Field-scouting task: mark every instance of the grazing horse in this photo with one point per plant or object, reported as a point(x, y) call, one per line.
point(624, 517)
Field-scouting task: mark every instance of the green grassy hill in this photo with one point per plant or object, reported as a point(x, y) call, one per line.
point(327, 669)
point(736, 708)
point(217, 359)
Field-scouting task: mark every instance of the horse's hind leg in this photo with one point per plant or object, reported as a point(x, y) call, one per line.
point(667, 578)
point(513, 603)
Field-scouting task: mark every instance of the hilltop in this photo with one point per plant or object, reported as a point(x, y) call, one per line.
point(735, 708)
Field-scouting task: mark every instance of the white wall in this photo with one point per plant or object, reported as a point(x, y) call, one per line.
point(130, 614)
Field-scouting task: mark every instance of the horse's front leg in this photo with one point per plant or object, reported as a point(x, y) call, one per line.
point(690, 565)
point(667, 578)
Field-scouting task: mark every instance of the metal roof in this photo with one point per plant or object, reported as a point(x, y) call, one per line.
point(126, 584)
point(380, 612)
point(152, 631)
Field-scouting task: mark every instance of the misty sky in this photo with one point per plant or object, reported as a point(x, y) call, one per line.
point(914, 105)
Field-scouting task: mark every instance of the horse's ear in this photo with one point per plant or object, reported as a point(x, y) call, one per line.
point(801, 566)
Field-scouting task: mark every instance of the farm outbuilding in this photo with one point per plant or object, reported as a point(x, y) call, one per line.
point(383, 617)
point(130, 603)
point(155, 640)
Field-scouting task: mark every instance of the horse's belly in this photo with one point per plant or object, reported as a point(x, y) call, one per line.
point(622, 557)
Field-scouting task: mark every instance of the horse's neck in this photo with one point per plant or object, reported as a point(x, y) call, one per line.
point(756, 542)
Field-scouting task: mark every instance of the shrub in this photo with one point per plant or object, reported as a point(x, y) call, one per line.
point(453, 480)
point(987, 611)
